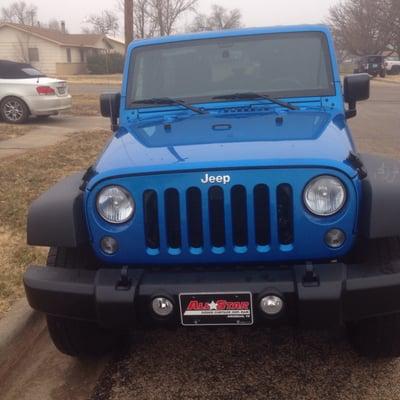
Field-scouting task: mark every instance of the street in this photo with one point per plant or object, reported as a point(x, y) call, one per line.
point(227, 363)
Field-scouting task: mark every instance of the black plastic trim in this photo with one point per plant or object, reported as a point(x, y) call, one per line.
point(380, 207)
point(56, 217)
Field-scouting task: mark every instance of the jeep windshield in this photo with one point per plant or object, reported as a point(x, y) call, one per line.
point(280, 65)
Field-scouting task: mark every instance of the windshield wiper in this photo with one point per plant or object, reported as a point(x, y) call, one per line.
point(254, 96)
point(167, 100)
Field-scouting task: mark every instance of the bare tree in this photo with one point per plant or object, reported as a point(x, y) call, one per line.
point(361, 27)
point(219, 19)
point(141, 18)
point(105, 23)
point(165, 13)
point(157, 17)
point(143, 23)
point(20, 12)
point(394, 20)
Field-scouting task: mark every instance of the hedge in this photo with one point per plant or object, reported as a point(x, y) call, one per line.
point(106, 63)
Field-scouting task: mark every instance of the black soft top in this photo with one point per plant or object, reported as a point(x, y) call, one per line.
point(16, 70)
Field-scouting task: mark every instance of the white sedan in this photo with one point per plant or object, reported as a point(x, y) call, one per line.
point(25, 91)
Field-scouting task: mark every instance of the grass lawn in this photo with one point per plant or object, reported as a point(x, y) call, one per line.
point(85, 104)
point(23, 178)
point(393, 78)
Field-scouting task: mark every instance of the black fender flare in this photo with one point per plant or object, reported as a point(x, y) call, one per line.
point(380, 206)
point(56, 218)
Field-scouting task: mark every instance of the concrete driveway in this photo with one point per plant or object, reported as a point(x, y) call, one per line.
point(44, 133)
point(226, 363)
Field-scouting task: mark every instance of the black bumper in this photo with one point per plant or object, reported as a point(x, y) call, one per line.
point(315, 296)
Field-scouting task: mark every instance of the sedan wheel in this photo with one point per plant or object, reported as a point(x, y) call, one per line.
point(14, 110)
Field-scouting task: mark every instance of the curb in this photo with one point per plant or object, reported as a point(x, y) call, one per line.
point(19, 329)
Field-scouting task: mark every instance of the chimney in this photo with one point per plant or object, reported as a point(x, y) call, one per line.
point(63, 27)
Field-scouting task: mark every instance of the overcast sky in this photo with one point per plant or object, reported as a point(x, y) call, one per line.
point(255, 12)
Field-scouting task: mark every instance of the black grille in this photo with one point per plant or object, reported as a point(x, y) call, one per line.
point(197, 217)
point(261, 215)
point(216, 216)
point(151, 228)
point(172, 218)
point(284, 197)
point(239, 215)
point(194, 217)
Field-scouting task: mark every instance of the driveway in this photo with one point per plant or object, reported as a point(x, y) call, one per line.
point(45, 133)
point(227, 363)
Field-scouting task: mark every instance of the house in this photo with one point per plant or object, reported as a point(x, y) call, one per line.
point(53, 52)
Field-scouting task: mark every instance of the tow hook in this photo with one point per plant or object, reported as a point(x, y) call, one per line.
point(310, 277)
point(125, 282)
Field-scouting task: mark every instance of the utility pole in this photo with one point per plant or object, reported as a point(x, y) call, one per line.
point(128, 12)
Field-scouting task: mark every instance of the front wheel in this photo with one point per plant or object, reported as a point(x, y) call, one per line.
point(74, 337)
point(81, 338)
point(377, 337)
point(382, 74)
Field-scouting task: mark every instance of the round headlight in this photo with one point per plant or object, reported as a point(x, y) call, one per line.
point(115, 205)
point(325, 196)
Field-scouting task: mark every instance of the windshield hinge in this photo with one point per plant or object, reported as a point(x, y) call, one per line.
point(355, 161)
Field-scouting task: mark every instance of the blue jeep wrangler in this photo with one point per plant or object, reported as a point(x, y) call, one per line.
point(230, 194)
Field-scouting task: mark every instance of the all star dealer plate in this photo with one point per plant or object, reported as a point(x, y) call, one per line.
point(216, 308)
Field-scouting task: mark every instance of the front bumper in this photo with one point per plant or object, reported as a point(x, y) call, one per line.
point(315, 296)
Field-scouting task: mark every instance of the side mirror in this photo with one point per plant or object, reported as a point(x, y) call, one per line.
point(356, 88)
point(109, 107)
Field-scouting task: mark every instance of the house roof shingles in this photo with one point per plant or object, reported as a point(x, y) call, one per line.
point(64, 39)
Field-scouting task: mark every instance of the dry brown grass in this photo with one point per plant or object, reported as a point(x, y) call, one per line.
point(23, 178)
point(85, 105)
point(10, 131)
point(390, 79)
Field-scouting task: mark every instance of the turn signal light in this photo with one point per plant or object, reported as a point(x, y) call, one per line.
point(45, 90)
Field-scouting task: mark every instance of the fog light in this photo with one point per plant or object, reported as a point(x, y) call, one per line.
point(335, 238)
point(271, 305)
point(162, 306)
point(109, 245)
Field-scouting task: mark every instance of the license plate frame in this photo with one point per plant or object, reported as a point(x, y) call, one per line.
point(209, 309)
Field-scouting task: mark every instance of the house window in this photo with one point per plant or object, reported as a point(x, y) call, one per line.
point(69, 58)
point(33, 54)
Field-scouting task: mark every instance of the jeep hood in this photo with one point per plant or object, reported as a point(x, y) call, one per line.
point(292, 139)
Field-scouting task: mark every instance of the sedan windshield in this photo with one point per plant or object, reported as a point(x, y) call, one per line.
point(280, 65)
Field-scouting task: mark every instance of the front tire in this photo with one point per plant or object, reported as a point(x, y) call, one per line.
point(377, 337)
point(80, 338)
point(14, 110)
point(74, 337)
